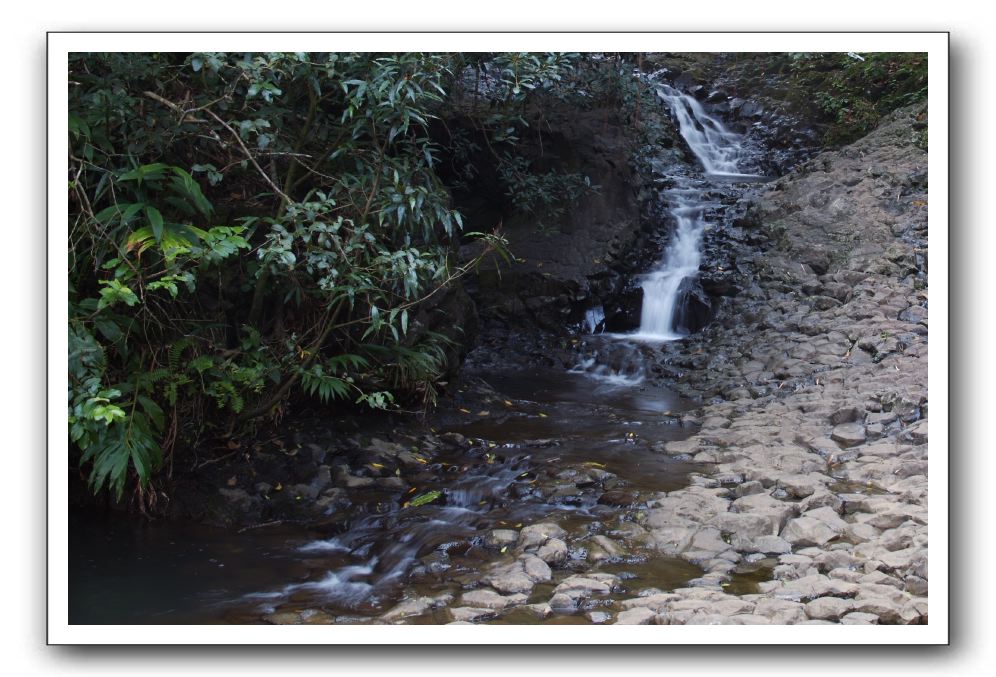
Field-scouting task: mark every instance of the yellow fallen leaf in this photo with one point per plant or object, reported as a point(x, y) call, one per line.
point(504, 548)
point(378, 466)
point(508, 403)
point(466, 411)
point(484, 413)
point(543, 415)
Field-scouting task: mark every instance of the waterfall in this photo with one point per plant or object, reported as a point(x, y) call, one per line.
point(717, 149)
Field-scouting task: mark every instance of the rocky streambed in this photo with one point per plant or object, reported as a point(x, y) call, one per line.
point(809, 503)
point(771, 468)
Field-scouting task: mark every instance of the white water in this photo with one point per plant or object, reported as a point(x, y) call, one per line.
point(717, 149)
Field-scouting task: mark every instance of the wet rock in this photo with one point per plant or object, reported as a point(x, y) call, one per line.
point(916, 433)
point(454, 440)
point(409, 608)
point(804, 531)
point(886, 610)
point(859, 618)
point(914, 612)
point(781, 612)
point(469, 614)
point(511, 582)
point(748, 489)
point(586, 585)
point(489, 599)
point(916, 586)
point(553, 552)
point(742, 530)
point(636, 616)
point(693, 308)
point(776, 512)
point(562, 603)
point(828, 516)
point(848, 414)
point(599, 617)
point(602, 548)
point(536, 535)
point(345, 479)
point(391, 483)
point(799, 486)
point(828, 608)
point(772, 545)
point(618, 497)
point(657, 602)
point(536, 568)
point(501, 538)
point(848, 434)
point(384, 448)
point(283, 618)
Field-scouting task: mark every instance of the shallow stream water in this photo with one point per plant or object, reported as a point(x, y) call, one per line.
point(550, 424)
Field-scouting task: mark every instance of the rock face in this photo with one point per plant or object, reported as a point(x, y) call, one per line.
point(568, 260)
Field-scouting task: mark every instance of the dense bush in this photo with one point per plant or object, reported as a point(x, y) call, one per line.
point(247, 229)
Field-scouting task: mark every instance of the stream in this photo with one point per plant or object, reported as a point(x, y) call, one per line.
point(571, 447)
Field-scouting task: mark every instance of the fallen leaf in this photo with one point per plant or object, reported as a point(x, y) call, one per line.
point(425, 498)
point(484, 413)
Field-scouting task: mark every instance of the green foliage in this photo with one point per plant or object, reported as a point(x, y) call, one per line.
point(854, 91)
point(250, 232)
point(544, 195)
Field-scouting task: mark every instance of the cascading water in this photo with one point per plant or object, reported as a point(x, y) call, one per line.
point(690, 199)
point(717, 149)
